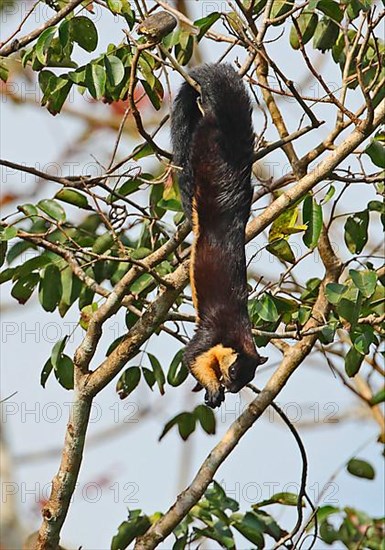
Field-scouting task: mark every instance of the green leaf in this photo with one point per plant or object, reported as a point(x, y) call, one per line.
point(325, 35)
point(353, 362)
point(326, 336)
point(59, 55)
point(3, 252)
point(147, 71)
point(266, 309)
point(84, 32)
point(115, 5)
point(250, 528)
point(71, 288)
point(220, 533)
point(186, 425)
point(304, 314)
point(140, 253)
point(363, 341)
point(96, 80)
point(288, 499)
point(327, 532)
point(50, 288)
point(282, 250)
point(185, 422)
point(206, 23)
point(114, 344)
point(43, 43)
point(148, 376)
point(103, 243)
point(155, 92)
point(376, 152)
point(158, 372)
point(53, 209)
point(64, 33)
point(57, 351)
point(206, 418)
point(33, 264)
point(258, 6)
point(307, 23)
point(73, 197)
point(361, 468)
point(354, 7)
point(180, 544)
point(4, 73)
point(268, 525)
point(8, 233)
point(55, 89)
point(114, 69)
point(334, 292)
point(143, 150)
point(350, 309)
point(279, 8)
point(46, 371)
point(325, 511)
point(122, 7)
point(141, 283)
point(129, 186)
point(178, 372)
point(86, 316)
point(131, 318)
point(329, 194)
point(28, 209)
point(128, 381)
point(312, 217)
point(129, 530)
point(356, 231)
point(331, 9)
point(365, 281)
point(284, 225)
point(217, 497)
point(24, 287)
point(8, 274)
point(376, 206)
point(18, 249)
point(378, 398)
point(185, 47)
point(64, 372)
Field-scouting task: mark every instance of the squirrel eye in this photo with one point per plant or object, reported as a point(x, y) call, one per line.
point(232, 372)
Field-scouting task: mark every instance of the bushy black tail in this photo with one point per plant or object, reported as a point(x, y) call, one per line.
point(225, 102)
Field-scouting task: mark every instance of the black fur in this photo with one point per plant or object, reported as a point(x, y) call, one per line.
point(214, 153)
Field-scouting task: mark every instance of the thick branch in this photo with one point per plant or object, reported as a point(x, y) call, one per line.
point(64, 483)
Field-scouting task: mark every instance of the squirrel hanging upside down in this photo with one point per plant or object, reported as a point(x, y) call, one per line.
point(213, 139)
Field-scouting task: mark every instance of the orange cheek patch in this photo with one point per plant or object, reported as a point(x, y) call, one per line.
point(212, 364)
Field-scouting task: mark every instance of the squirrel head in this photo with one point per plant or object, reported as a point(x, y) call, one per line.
point(240, 371)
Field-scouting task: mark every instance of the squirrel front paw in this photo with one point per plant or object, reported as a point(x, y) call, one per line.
point(214, 398)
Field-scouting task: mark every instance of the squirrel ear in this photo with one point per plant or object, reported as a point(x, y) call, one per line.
point(262, 360)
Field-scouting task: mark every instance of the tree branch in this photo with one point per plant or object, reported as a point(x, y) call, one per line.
point(17, 44)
